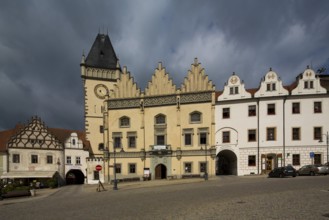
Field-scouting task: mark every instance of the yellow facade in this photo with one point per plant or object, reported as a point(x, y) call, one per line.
point(172, 154)
point(164, 131)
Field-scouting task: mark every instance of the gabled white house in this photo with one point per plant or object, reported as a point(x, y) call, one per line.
point(274, 125)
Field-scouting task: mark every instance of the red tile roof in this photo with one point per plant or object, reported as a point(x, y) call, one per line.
point(61, 134)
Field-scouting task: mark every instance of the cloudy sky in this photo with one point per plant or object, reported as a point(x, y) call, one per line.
point(41, 44)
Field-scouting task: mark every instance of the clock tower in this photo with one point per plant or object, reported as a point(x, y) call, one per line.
point(99, 73)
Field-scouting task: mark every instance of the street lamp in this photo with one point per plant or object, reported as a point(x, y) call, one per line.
point(206, 165)
point(58, 164)
point(115, 186)
point(106, 156)
point(327, 141)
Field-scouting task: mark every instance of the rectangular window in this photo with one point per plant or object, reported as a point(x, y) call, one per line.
point(295, 159)
point(270, 87)
point(317, 159)
point(226, 112)
point(295, 108)
point(226, 137)
point(34, 158)
point(295, 134)
point(160, 140)
point(117, 142)
point(68, 160)
point(273, 86)
point(252, 135)
point(188, 167)
point(160, 136)
point(305, 84)
point(188, 134)
point(117, 136)
point(308, 85)
point(203, 138)
point(311, 84)
point(101, 129)
point(271, 109)
point(118, 168)
point(132, 168)
point(77, 160)
point(252, 160)
point(234, 90)
point(132, 142)
point(131, 139)
point(96, 175)
point(188, 139)
point(271, 134)
point(317, 107)
point(317, 134)
point(49, 159)
point(251, 110)
point(16, 158)
point(203, 167)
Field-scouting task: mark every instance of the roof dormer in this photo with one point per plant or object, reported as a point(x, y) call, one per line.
point(308, 83)
point(234, 89)
point(271, 85)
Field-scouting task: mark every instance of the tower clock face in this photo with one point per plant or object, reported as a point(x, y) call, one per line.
point(101, 91)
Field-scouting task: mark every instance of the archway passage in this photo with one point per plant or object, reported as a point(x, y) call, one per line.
point(226, 163)
point(75, 177)
point(160, 171)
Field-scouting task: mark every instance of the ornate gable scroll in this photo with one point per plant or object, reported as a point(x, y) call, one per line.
point(35, 135)
point(125, 87)
point(160, 83)
point(196, 79)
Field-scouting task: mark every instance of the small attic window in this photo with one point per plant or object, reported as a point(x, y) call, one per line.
point(102, 53)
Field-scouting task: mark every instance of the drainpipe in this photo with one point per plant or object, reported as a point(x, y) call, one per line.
point(284, 131)
point(258, 136)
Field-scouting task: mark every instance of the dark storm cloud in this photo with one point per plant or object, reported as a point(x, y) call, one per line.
point(41, 43)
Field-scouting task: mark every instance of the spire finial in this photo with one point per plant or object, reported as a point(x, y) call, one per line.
point(195, 61)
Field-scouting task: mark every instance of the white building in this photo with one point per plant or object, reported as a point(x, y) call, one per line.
point(36, 153)
point(274, 125)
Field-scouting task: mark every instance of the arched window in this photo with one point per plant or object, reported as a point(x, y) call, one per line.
point(195, 117)
point(160, 119)
point(124, 121)
point(101, 146)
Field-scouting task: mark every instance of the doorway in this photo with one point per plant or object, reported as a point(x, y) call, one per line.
point(226, 163)
point(160, 171)
point(75, 177)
